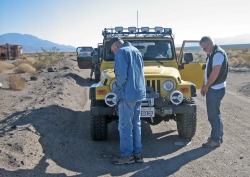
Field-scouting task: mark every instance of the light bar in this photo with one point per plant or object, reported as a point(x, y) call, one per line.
point(145, 29)
point(132, 29)
point(118, 29)
point(121, 31)
point(158, 29)
point(168, 30)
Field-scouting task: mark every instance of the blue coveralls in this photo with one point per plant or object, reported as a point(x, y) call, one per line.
point(130, 89)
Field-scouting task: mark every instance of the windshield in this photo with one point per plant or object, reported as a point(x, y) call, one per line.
point(85, 51)
point(150, 50)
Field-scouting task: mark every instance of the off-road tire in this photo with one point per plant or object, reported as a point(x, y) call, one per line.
point(97, 76)
point(97, 72)
point(186, 125)
point(98, 124)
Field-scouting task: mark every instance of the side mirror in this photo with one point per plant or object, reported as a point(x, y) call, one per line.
point(188, 57)
point(95, 58)
point(203, 67)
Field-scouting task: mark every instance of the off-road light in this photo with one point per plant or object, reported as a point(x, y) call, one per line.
point(168, 31)
point(118, 29)
point(145, 29)
point(168, 86)
point(158, 29)
point(110, 99)
point(131, 29)
point(176, 97)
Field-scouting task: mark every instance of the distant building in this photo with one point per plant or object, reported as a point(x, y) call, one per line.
point(10, 52)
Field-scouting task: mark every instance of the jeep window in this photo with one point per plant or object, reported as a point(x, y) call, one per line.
point(193, 53)
point(85, 51)
point(150, 50)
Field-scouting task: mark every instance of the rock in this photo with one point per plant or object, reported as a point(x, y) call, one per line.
point(1, 85)
point(52, 69)
point(66, 67)
point(33, 78)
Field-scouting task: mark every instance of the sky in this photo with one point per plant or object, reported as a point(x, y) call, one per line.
point(80, 22)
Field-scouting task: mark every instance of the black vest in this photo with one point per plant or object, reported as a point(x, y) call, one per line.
point(224, 68)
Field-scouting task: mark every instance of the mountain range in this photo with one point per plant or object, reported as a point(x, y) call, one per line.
point(32, 44)
point(240, 39)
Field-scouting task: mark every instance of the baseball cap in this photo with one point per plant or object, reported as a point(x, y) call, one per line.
point(114, 39)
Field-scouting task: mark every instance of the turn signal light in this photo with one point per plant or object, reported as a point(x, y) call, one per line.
point(184, 90)
point(102, 92)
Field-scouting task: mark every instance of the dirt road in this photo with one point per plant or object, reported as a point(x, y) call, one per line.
point(44, 131)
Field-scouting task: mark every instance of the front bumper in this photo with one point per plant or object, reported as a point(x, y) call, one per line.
point(167, 110)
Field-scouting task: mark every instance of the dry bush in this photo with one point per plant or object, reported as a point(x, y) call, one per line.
point(232, 53)
point(18, 62)
point(36, 60)
point(39, 64)
point(44, 59)
point(45, 63)
point(5, 66)
point(239, 58)
point(16, 82)
point(25, 68)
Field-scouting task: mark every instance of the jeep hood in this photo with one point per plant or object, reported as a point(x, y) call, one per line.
point(161, 71)
point(149, 71)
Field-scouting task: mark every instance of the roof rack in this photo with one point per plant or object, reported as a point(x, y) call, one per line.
point(136, 32)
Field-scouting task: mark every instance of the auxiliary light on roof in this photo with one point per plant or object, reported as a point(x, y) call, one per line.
point(131, 29)
point(145, 29)
point(158, 29)
point(118, 29)
point(168, 30)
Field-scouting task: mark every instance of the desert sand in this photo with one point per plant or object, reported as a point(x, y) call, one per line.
point(44, 131)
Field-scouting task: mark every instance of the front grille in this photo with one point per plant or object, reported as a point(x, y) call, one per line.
point(155, 84)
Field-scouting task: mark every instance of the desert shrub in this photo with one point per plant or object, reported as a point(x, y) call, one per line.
point(246, 58)
point(47, 58)
point(16, 82)
point(40, 64)
point(5, 66)
point(233, 53)
point(42, 60)
point(239, 58)
point(24, 61)
point(46, 62)
point(244, 51)
point(25, 68)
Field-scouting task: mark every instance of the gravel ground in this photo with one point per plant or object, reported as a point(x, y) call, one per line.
point(44, 131)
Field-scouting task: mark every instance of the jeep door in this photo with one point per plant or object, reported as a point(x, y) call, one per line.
point(192, 62)
point(84, 57)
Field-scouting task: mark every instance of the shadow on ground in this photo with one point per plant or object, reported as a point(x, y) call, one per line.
point(65, 140)
point(84, 82)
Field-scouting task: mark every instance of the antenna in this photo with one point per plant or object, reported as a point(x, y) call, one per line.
point(137, 18)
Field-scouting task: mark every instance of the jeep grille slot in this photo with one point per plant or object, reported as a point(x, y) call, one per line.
point(155, 84)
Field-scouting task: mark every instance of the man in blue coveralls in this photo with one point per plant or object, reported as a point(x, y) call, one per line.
point(130, 90)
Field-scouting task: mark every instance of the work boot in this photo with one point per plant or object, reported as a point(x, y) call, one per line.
point(124, 160)
point(211, 144)
point(138, 158)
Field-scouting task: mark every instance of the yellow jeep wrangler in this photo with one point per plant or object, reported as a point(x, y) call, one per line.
point(171, 81)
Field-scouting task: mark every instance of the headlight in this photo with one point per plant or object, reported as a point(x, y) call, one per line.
point(168, 86)
point(176, 97)
point(110, 99)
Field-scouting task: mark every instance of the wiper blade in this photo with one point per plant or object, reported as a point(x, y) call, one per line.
point(159, 62)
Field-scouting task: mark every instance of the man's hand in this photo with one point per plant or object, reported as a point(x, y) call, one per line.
point(204, 90)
